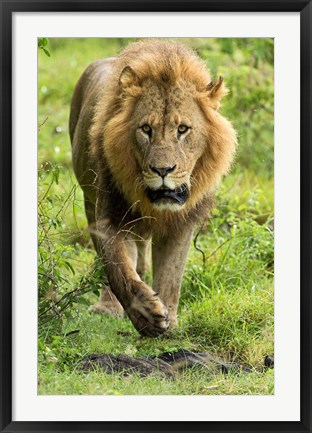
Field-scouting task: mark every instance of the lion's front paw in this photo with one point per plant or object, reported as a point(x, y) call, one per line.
point(147, 313)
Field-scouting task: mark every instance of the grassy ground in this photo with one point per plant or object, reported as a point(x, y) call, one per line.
point(227, 298)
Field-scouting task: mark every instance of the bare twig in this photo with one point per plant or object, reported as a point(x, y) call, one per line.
point(41, 124)
point(197, 248)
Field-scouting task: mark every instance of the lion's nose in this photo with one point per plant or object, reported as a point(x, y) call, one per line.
point(162, 171)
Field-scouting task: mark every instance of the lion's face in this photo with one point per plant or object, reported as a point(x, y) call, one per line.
point(169, 138)
point(164, 141)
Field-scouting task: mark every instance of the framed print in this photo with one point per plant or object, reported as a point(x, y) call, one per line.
point(155, 216)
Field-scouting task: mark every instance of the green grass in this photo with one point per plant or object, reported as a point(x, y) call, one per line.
point(227, 299)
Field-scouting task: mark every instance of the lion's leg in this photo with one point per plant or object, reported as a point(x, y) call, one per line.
point(142, 305)
point(90, 214)
point(144, 258)
point(169, 258)
point(107, 303)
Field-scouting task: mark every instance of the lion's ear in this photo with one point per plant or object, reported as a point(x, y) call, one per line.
point(216, 90)
point(128, 78)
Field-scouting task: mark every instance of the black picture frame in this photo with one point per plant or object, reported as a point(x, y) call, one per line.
point(7, 10)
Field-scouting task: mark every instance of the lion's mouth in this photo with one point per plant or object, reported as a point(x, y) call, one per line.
point(178, 195)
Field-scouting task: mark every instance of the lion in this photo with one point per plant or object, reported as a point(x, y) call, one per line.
point(149, 150)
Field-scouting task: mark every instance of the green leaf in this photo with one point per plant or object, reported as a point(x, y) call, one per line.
point(96, 291)
point(68, 266)
point(56, 174)
point(42, 42)
point(46, 52)
point(83, 301)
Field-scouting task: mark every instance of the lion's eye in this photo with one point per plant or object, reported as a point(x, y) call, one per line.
point(182, 129)
point(146, 129)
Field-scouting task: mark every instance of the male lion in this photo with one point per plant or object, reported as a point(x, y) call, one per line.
point(149, 150)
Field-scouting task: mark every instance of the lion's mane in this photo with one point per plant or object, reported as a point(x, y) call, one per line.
point(166, 63)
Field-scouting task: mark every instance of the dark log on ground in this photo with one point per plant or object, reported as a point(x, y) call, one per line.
point(165, 365)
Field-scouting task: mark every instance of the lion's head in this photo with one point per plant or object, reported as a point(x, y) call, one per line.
point(162, 136)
